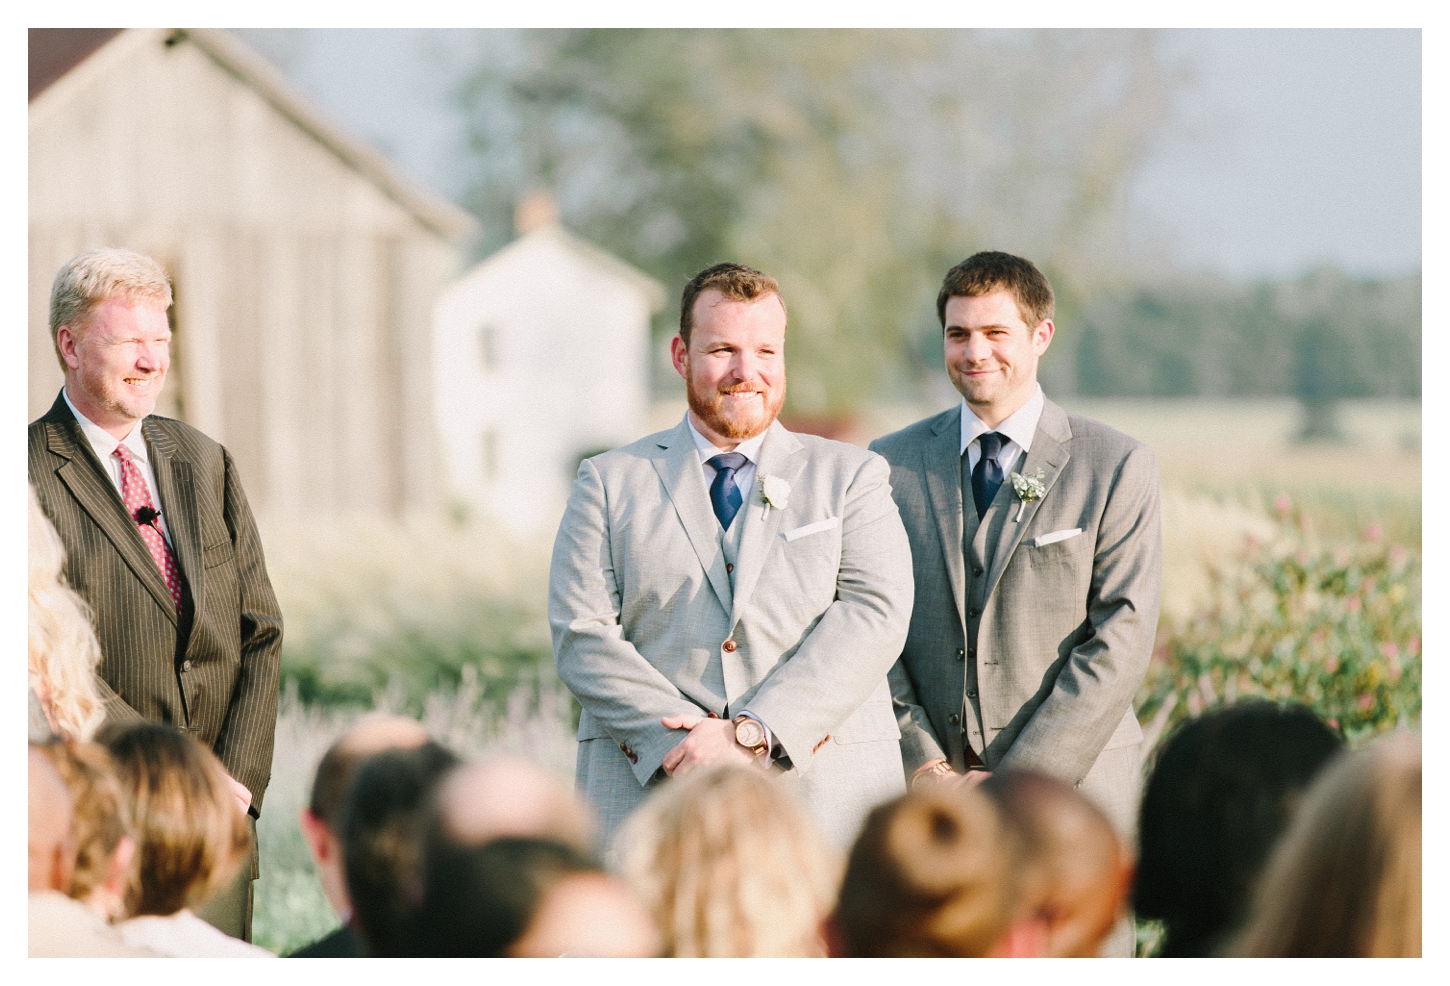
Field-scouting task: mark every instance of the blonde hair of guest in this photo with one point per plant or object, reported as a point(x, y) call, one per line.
point(1345, 881)
point(729, 866)
point(63, 650)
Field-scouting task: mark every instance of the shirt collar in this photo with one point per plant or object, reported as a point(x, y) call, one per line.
point(750, 448)
point(102, 441)
point(1020, 425)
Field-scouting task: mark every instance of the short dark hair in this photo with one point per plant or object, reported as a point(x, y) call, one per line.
point(735, 281)
point(991, 270)
point(383, 830)
point(480, 899)
point(1223, 790)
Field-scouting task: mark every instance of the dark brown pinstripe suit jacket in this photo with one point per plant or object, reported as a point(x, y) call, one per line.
point(212, 669)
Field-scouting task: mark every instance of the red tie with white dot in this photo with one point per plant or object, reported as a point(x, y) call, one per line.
point(137, 495)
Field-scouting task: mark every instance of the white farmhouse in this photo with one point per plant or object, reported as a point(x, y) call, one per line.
point(542, 357)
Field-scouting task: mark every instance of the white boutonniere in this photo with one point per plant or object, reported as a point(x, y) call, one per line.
point(775, 492)
point(1027, 488)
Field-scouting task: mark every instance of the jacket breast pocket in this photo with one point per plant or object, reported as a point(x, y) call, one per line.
point(220, 553)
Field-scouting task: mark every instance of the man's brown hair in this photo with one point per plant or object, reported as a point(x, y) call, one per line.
point(735, 281)
point(191, 833)
point(103, 810)
point(992, 270)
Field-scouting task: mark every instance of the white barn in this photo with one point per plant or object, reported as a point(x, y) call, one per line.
point(305, 266)
point(542, 357)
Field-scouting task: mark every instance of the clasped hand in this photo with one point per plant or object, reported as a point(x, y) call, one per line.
point(710, 742)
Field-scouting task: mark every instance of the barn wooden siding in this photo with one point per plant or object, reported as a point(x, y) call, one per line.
point(305, 269)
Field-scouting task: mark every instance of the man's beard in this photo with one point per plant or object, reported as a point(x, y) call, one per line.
point(710, 408)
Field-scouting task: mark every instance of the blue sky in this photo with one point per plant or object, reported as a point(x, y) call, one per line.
point(1287, 149)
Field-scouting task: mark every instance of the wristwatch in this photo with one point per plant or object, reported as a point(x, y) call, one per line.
point(750, 734)
point(930, 773)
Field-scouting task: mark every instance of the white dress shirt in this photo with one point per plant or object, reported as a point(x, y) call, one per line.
point(744, 476)
point(1018, 430)
point(103, 443)
point(745, 481)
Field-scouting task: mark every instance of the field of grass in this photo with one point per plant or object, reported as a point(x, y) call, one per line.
point(447, 622)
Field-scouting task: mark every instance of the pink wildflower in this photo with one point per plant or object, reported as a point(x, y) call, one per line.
point(1282, 504)
point(1352, 604)
point(1365, 703)
point(1331, 664)
point(1389, 650)
point(1374, 532)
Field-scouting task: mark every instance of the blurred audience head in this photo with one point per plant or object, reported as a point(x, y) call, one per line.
point(191, 837)
point(506, 796)
point(1223, 789)
point(63, 648)
point(383, 828)
point(1074, 875)
point(51, 822)
point(729, 865)
point(930, 875)
point(526, 897)
point(321, 820)
point(1346, 879)
point(105, 842)
point(510, 871)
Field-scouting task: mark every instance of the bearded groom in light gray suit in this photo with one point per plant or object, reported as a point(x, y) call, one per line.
point(727, 592)
point(1036, 593)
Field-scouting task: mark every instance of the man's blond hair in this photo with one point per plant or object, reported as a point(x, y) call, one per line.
point(90, 278)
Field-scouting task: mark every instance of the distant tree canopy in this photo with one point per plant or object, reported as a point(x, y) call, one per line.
point(857, 166)
point(1321, 339)
point(854, 166)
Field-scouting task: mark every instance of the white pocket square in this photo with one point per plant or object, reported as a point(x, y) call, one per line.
point(1056, 536)
point(816, 528)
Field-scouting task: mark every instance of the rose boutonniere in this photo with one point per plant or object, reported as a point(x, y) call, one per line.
point(775, 492)
point(1027, 488)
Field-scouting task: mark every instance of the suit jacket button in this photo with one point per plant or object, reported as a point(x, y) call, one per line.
point(729, 568)
point(976, 570)
point(729, 646)
point(186, 665)
point(972, 693)
point(954, 719)
point(960, 653)
point(973, 611)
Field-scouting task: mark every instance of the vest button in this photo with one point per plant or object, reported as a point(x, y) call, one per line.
point(954, 719)
point(976, 571)
point(729, 568)
point(972, 693)
point(728, 646)
point(960, 653)
point(186, 665)
point(974, 611)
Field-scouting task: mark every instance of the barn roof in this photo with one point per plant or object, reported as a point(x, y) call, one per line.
point(56, 52)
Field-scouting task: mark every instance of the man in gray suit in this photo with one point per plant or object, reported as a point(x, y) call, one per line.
point(1038, 561)
point(729, 592)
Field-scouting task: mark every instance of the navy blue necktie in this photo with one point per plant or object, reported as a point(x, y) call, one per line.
point(987, 475)
point(724, 494)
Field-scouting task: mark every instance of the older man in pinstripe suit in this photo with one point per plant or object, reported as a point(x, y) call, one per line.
point(158, 535)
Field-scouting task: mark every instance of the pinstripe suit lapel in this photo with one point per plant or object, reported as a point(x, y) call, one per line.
point(1048, 453)
point(83, 476)
point(942, 466)
point(678, 465)
point(178, 502)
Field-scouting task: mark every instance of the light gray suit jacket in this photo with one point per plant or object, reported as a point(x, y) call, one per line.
point(648, 621)
point(1026, 641)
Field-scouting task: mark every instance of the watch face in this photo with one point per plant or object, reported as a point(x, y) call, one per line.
point(748, 733)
